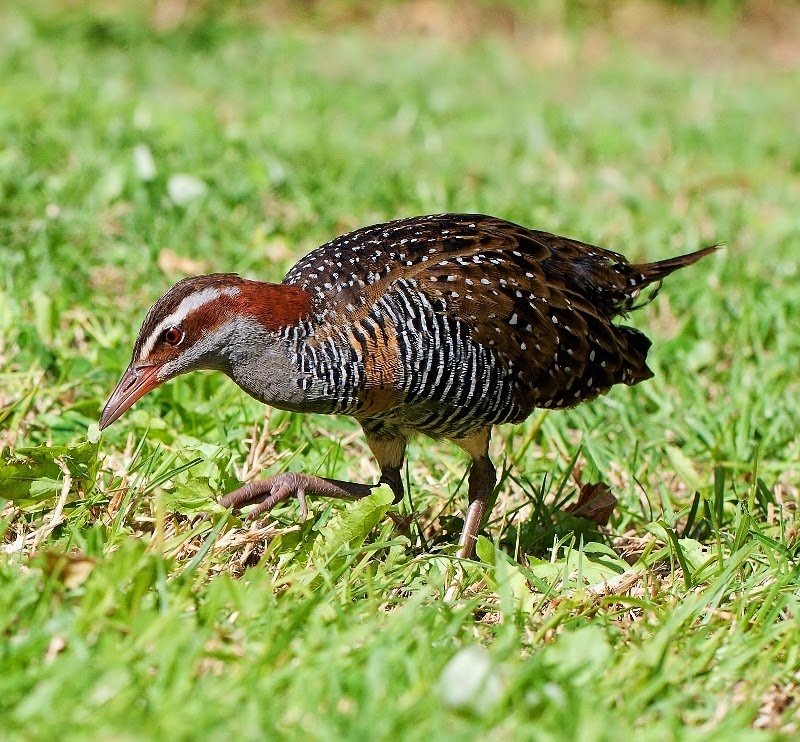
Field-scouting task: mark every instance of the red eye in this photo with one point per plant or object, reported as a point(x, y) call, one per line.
point(172, 336)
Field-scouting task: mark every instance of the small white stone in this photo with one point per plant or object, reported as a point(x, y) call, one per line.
point(469, 682)
point(143, 162)
point(183, 188)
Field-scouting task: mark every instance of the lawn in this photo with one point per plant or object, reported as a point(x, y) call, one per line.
point(135, 151)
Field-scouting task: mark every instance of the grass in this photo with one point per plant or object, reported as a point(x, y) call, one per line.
point(121, 619)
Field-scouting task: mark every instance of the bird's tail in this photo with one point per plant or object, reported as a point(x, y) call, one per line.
point(659, 270)
point(652, 274)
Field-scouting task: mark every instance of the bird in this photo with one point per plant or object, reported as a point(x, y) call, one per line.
point(444, 325)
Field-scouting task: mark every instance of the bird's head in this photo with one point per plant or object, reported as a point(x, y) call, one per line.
point(198, 324)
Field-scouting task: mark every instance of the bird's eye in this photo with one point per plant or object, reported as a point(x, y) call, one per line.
point(172, 336)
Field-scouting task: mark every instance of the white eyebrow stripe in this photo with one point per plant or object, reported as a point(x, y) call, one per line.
point(189, 304)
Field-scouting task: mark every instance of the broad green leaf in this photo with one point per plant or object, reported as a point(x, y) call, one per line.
point(352, 524)
point(568, 569)
point(485, 550)
point(193, 497)
point(597, 547)
point(33, 474)
point(696, 554)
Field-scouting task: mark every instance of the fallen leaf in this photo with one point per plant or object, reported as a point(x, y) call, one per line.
point(171, 262)
point(57, 645)
point(595, 503)
point(71, 569)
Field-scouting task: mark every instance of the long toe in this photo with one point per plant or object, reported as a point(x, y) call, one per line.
point(283, 492)
point(249, 494)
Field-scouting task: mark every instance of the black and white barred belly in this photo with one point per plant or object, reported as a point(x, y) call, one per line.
point(438, 380)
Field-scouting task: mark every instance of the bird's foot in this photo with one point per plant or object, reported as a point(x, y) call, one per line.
point(265, 494)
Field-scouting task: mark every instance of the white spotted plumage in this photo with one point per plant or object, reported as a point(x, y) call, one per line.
point(467, 341)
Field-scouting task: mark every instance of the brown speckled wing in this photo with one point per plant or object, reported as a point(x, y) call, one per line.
point(543, 304)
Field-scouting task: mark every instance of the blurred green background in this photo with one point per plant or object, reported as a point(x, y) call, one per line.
point(141, 142)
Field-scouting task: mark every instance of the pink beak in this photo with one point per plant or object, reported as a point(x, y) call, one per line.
point(133, 385)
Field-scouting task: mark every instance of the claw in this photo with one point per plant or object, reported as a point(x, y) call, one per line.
point(198, 518)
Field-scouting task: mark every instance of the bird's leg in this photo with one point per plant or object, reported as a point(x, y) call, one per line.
point(267, 493)
point(481, 484)
point(482, 477)
point(390, 452)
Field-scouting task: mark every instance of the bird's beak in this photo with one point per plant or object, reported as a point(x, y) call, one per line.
point(133, 385)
